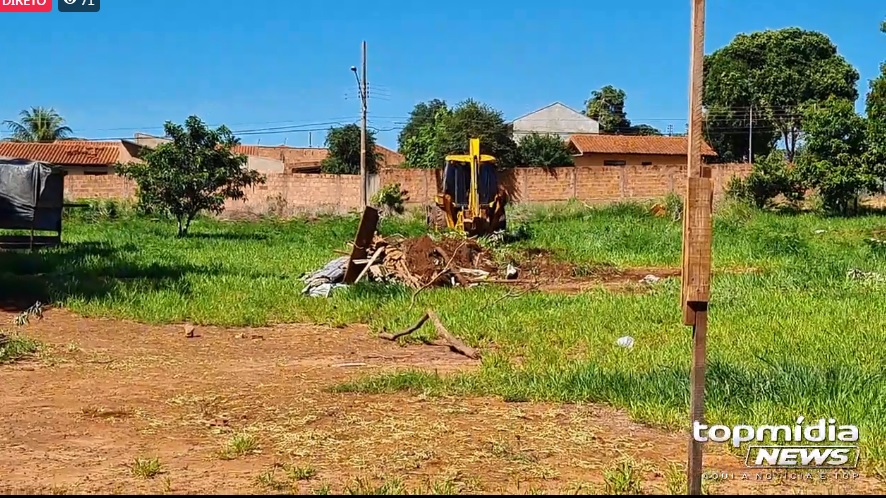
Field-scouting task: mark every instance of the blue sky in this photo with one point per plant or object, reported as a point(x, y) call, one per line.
point(285, 63)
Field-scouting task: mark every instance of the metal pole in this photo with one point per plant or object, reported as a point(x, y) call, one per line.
point(696, 246)
point(363, 184)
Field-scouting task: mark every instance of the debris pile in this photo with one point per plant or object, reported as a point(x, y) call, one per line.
point(323, 281)
point(423, 262)
point(418, 263)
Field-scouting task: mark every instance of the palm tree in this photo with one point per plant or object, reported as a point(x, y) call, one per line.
point(38, 125)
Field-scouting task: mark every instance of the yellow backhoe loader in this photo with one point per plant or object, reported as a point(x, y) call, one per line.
point(471, 200)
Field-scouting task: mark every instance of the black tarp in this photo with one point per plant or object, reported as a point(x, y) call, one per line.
point(31, 195)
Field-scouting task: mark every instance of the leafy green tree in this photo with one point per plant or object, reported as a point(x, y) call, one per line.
point(38, 124)
point(875, 108)
point(770, 177)
point(196, 171)
point(544, 150)
point(645, 129)
point(607, 107)
point(424, 113)
point(451, 130)
point(775, 73)
point(472, 119)
point(425, 147)
point(834, 153)
point(343, 143)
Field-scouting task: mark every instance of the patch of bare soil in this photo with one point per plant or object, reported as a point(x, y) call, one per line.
point(105, 393)
point(540, 269)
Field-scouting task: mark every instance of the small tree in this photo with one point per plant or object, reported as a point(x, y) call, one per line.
point(770, 177)
point(543, 150)
point(424, 147)
point(344, 151)
point(449, 130)
point(834, 154)
point(196, 171)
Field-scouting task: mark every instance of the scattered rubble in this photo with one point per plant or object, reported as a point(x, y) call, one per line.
point(322, 282)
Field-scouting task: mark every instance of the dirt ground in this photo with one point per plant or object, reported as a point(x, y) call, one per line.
point(103, 393)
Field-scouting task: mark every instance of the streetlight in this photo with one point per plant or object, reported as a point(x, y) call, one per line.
point(361, 85)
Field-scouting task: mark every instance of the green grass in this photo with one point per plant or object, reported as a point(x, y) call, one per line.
point(146, 468)
point(16, 347)
point(795, 338)
point(241, 444)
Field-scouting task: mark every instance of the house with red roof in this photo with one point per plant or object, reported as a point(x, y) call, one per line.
point(632, 150)
point(76, 157)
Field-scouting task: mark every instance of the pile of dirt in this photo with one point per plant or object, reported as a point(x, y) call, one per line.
point(426, 257)
point(422, 262)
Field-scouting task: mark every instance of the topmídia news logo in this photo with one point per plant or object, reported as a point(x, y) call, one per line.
point(822, 445)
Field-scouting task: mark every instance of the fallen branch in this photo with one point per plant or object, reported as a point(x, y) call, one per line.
point(393, 337)
point(453, 342)
point(511, 293)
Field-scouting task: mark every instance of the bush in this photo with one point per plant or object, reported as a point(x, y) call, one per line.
point(769, 178)
point(389, 198)
point(546, 151)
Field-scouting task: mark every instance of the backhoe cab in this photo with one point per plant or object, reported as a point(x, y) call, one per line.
point(471, 200)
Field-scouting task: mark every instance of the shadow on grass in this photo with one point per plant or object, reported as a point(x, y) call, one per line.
point(85, 270)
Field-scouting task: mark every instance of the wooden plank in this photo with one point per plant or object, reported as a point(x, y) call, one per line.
point(696, 396)
point(696, 275)
point(368, 264)
point(365, 233)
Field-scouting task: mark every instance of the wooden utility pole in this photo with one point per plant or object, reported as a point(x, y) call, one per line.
point(751, 134)
point(363, 97)
point(697, 236)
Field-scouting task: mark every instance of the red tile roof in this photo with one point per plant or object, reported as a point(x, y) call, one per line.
point(67, 152)
point(295, 159)
point(634, 144)
point(299, 157)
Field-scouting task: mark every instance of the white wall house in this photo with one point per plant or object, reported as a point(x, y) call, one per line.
point(555, 119)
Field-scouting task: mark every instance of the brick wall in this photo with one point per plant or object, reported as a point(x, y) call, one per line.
point(290, 193)
point(591, 184)
point(98, 187)
point(283, 194)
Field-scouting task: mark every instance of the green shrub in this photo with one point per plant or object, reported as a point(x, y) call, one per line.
point(389, 198)
point(769, 178)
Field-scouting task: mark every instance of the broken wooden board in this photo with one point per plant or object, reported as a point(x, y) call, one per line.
point(365, 234)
